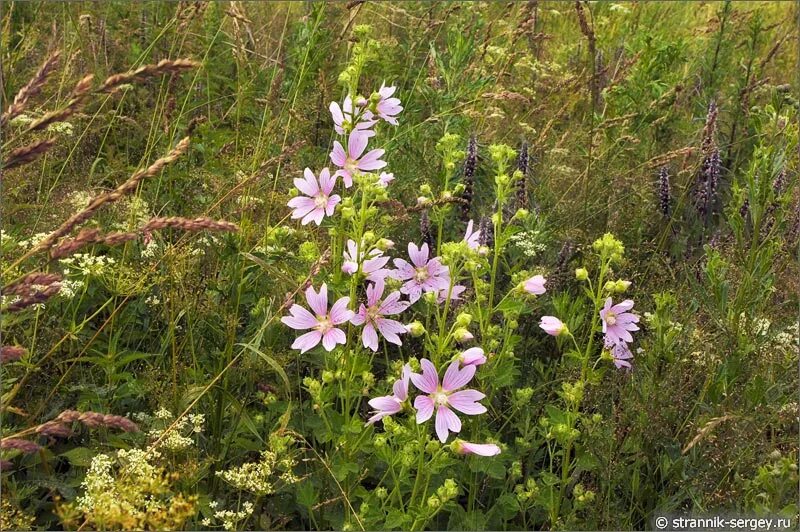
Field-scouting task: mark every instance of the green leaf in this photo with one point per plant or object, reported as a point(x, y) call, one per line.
point(306, 494)
point(79, 456)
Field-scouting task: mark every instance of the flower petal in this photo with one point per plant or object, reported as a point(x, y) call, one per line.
point(424, 406)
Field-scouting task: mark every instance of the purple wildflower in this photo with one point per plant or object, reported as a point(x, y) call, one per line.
point(318, 201)
point(421, 275)
point(444, 397)
point(373, 316)
point(618, 322)
point(388, 405)
point(354, 160)
point(323, 323)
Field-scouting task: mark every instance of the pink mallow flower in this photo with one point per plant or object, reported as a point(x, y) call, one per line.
point(552, 325)
point(535, 285)
point(473, 356)
point(373, 316)
point(618, 322)
point(343, 118)
point(388, 405)
point(472, 238)
point(372, 267)
point(422, 275)
point(621, 354)
point(480, 449)
point(387, 107)
point(352, 162)
point(444, 397)
point(318, 201)
point(323, 322)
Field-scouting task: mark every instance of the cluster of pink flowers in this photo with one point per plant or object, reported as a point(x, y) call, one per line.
point(354, 120)
point(440, 398)
point(423, 274)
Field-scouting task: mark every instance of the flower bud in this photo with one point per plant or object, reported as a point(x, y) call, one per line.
point(581, 274)
point(415, 329)
point(369, 237)
point(422, 201)
point(463, 319)
point(462, 335)
point(384, 244)
point(621, 285)
point(327, 376)
point(610, 286)
point(430, 298)
point(425, 189)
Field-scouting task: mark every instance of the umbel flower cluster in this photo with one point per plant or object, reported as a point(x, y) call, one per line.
point(393, 284)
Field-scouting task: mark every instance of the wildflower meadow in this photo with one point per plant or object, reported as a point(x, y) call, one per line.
point(398, 265)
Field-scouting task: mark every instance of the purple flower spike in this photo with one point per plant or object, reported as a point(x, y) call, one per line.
point(421, 275)
point(373, 316)
point(354, 160)
point(318, 201)
point(618, 322)
point(444, 397)
point(323, 322)
point(388, 405)
point(480, 449)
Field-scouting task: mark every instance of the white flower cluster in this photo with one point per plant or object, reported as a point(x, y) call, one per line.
point(61, 128)
point(79, 199)
point(229, 518)
point(529, 243)
point(32, 241)
point(178, 438)
point(88, 265)
point(150, 249)
point(259, 477)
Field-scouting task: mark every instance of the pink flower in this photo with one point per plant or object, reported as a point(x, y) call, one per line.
point(621, 354)
point(318, 201)
point(388, 405)
point(472, 238)
point(372, 267)
point(322, 322)
point(455, 293)
point(618, 322)
point(422, 274)
point(343, 118)
point(445, 397)
point(385, 178)
point(352, 162)
point(481, 449)
point(535, 285)
point(552, 325)
point(387, 106)
point(473, 356)
point(373, 316)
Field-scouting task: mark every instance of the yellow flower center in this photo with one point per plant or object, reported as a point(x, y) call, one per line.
point(439, 398)
point(421, 273)
point(325, 324)
point(321, 201)
point(611, 318)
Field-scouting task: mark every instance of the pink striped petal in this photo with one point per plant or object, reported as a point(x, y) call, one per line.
point(455, 378)
point(333, 337)
point(428, 381)
point(318, 301)
point(306, 341)
point(466, 401)
point(424, 406)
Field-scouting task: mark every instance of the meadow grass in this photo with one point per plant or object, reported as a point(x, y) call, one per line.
point(154, 253)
